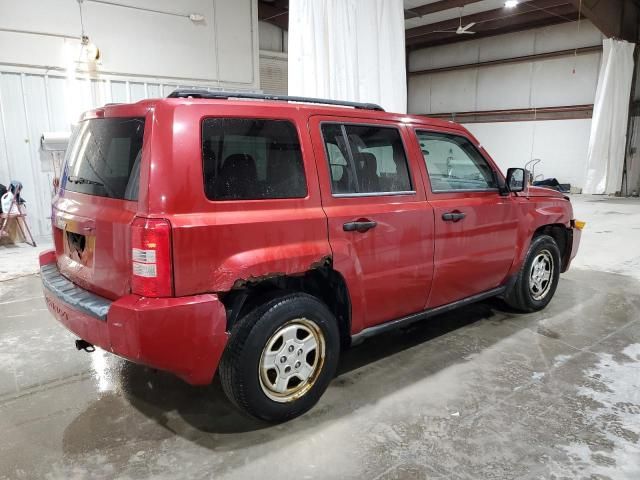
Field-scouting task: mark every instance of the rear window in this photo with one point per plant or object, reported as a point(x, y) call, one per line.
point(251, 159)
point(103, 158)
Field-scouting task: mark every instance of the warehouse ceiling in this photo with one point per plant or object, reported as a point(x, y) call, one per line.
point(436, 22)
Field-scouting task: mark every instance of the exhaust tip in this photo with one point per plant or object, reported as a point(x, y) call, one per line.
point(84, 345)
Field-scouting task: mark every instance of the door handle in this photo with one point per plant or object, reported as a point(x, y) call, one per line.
point(453, 216)
point(360, 226)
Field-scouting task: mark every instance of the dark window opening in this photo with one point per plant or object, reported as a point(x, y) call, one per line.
point(373, 159)
point(250, 159)
point(103, 158)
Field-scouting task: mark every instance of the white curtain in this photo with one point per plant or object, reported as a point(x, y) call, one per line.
point(348, 50)
point(605, 158)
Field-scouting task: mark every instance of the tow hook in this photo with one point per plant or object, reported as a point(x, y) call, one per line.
point(84, 345)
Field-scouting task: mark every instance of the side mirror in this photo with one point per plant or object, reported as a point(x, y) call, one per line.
point(516, 179)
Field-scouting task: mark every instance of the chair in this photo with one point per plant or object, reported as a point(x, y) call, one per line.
point(19, 219)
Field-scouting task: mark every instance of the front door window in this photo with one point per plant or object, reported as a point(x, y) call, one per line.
point(454, 163)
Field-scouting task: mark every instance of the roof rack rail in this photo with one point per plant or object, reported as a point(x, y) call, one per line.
point(198, 93)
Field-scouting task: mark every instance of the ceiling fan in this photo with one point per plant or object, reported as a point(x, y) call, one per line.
point(460, 30)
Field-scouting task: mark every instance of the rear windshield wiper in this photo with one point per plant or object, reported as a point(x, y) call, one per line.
point(82, 180)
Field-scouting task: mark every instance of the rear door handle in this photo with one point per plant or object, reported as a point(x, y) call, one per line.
point(453, 216)
point(360, 226)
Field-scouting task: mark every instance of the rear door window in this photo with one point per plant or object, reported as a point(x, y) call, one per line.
point(366, 159)
point(103, 158)
point(251, 159)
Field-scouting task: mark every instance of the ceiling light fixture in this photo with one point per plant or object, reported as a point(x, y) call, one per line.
point(511, 3)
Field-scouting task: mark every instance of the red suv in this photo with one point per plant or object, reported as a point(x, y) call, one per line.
point(259, 236)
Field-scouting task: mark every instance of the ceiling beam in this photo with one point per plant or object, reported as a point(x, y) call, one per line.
point(527, 15)
point(276, 13)
point(434, 7)
point(568, 112)
point(614, 18)
point(546, 22)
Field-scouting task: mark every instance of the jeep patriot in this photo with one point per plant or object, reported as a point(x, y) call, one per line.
point(258, 237)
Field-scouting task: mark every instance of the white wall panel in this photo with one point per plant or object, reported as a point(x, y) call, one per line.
point(21, 164)
point(119, 92)
point(445, 56)
point(452, 92)
point(167, 89)
point(143, 55)
point(57, 109)
point(554, 82)
point(237, 41)
point(564, 36)
point(41, 175)
point(560, 144)
point(125, 36)
point(4, 153)
point(31, 104)
point(138, 91)
point(223, 49)
point(564, 81)
point(504, 86)
point(419, 94)
point(54, 16)
point(153, 91)
point(271, 37)
point(511, 45)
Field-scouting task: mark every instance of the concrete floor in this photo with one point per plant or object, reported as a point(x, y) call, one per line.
point(477, 393)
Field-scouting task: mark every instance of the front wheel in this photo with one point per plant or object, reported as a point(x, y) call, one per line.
point(538, 278)
point(281, 357)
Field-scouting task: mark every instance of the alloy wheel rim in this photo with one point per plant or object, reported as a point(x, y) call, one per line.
point(292, 360)
point(541, 275)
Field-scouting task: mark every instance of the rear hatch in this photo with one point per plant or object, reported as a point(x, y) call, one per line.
point(97, 203)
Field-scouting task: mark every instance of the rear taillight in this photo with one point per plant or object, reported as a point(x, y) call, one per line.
point(151, 272)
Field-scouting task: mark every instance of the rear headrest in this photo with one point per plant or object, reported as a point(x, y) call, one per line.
point(282, 163)
point(238, 177)
point(285, 176)
point(368, 172)
point(239, 164)
point(368, 163)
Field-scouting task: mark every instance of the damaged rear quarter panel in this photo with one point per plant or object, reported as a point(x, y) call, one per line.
point(215, 252)
point(219, 244)
point(264, 263)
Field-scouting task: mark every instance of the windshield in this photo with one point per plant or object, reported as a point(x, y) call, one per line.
point(103, 158)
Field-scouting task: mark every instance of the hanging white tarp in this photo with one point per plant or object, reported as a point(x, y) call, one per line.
point(605, 158)
point(348, 50)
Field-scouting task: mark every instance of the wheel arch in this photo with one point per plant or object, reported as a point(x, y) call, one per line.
point(563, 237)
point(323, 282)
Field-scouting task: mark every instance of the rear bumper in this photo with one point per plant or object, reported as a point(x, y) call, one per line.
point(184, 335)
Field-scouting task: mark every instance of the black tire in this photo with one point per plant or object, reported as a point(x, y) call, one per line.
point(522, 295)
point(240, 368)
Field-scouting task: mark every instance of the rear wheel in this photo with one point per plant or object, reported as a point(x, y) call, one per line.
point(538, 278)
point(281, 357)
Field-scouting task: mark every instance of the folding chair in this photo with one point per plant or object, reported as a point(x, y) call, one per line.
point(19, 218)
